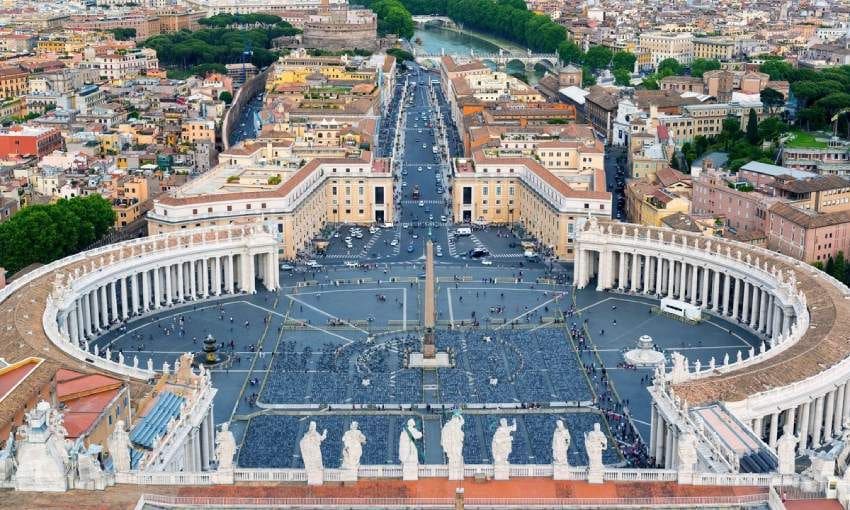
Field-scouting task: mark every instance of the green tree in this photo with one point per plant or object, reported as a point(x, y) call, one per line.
point(624, 60)
point(839, 269)
point(772, 99)
point(570, 53)
point(811, 117)
point(777, 69)
point(669, 67)
point(674, 161)
point(225, 96)
point(622, 77)
point(701, 65)
point(588, 79)
point(752, 127)
point(43, 233)
point(830, 265)
point(770, 128)
point(598, 57)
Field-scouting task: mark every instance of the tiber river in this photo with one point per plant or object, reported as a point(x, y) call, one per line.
point(433, 39)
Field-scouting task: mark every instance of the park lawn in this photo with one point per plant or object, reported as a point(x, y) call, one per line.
point(804, 140)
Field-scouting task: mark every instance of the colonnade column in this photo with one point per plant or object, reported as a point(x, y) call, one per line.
point(125, 311)
point(838, 419)
point(635, 271)
point(621, 274)
point(181, 286)
point(829, 417)
point(169, 288)
point(157, 287)
point(817, 427)
point(113, 300)
point(228, 271)
point(774, 427)
point(804, 426)
point(86, 314)
point(715, 291)
point(745, 309)
point(659, 274)
point(671, 277)
point(205, 286)
point(726, 284)
point(694, 283)
point(704, 292)
point(683, 280)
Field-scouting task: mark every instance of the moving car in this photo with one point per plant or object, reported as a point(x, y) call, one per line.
point(312, 263)
point(486, 262)
point(287, 267)
point(410, 248)
point(421, 203)
point(394, 242)
point(478, 253)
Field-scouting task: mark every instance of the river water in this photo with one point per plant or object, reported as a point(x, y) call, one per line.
point(434, 39)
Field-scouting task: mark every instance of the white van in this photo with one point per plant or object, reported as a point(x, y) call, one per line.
point(463, 231)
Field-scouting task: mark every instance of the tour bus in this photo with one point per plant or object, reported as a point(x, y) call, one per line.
point(415, 193)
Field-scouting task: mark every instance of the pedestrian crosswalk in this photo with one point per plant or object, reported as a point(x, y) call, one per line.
point(414, 202)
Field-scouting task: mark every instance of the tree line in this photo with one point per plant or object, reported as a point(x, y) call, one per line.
point(225, 20)
point(185, 49)
point(44, 233)
point(508, 19)
point(393, 17)
point(819, 94)
point(596, 58)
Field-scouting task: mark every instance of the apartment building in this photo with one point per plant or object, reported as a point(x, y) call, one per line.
point(664, 45)
point(300, 200)
point(493, 189)
point(707, 119)
point(714, 48)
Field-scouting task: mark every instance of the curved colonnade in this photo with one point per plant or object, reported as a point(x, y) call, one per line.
point(86, 294)
point(798, 376)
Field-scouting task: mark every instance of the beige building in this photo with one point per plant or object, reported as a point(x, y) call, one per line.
point(714, 48)
point(195, 130)
point(299, 200)
point(519, 190)
point(706, 119)
point(663, 45)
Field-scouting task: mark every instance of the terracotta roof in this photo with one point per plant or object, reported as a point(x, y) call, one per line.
point(127, 495)
point(538, 169)
point(668, 175)
point(281, 191)
point(809, 219)
point(15, 374)
point(820, 183)
point(681, 221)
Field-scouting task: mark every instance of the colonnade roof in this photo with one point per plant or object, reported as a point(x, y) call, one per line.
point(823, 345)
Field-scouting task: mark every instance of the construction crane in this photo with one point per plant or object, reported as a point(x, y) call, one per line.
point(835, 118)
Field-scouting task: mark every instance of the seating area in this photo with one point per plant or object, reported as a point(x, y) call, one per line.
point(510, 366)
point(272, 441)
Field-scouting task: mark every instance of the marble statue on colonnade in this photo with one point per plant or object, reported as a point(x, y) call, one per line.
point(408, 453)
point(225, 448)
point(785, 450)
point(311, 454)
point(501, 447)
point(118, 444)
point(595, 443)
point(841, 460)
point(352, 449)
point(451, 439)
point(687, 458)
point(560, 447)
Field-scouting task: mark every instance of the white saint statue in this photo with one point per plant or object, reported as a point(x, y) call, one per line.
point(785, 451)
point(225, 448)
point(119, 448)
point(451, 439)
point(407, 452)
point(503, 441)
point(686, 453)
point(311, 454)
point(560, 444)
point(595, 443)
point(352, 447)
